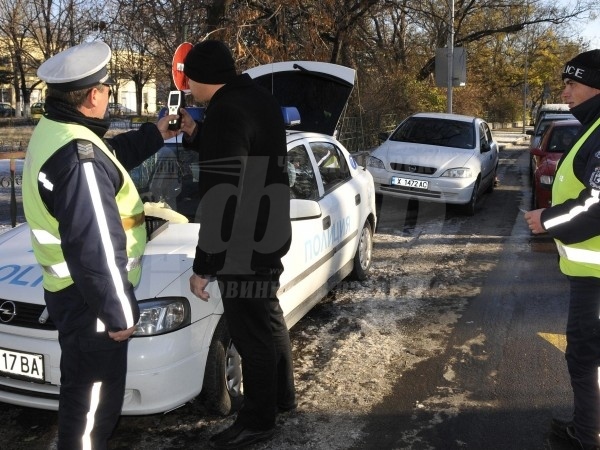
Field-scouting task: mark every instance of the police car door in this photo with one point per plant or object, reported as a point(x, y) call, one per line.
point(340, 205)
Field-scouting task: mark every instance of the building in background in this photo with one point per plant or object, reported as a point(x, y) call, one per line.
point(124, 92)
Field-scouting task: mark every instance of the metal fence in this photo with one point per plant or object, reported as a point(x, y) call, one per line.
point(359, 134)
point(13, 146)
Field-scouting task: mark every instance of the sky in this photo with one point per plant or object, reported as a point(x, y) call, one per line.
point(591, 31)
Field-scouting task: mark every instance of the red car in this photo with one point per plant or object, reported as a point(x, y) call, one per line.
point(557, 139)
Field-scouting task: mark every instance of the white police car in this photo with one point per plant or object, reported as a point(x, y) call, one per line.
point(182, 347)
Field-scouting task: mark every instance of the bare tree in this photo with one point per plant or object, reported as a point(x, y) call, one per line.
point(14, 30)
point(391, 43)
point(35, 30)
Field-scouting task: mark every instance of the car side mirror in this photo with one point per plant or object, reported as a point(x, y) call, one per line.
point(529, 132)
point(301, 209)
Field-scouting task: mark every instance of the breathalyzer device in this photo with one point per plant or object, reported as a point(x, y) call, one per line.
point(176, 101)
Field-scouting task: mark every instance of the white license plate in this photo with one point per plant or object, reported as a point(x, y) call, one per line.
point(21, 365)
point(407, 182)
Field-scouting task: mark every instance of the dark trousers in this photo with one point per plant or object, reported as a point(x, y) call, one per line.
point(259, 333)
point(583, 356)
point(93, 369)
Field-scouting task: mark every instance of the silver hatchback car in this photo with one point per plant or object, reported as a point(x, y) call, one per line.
point(437, 157)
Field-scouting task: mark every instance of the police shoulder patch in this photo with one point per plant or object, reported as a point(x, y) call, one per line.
point(85, 150)
point(595, 178)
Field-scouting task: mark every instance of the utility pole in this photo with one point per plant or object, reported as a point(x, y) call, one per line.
point(525, 85)
point(450, 57)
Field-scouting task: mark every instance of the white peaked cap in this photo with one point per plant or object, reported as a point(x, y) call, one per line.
point(78, 67)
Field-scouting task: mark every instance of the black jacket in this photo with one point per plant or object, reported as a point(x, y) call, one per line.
point(583, 223)
point(244, 186)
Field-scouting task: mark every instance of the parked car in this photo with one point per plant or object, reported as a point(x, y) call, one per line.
point(437, 157)
point(182, 347)
point(37, 109)
point(542, 124)
point(551, 108)
point(558, 138)
point(6, 110)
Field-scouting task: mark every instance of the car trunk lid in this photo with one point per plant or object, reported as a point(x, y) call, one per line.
point(320, 91)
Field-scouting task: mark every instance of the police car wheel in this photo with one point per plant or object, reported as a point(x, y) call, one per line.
point(223, 388)
point(364, 253)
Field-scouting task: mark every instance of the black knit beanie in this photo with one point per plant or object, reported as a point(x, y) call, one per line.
point(584, 68)
point(209, 62)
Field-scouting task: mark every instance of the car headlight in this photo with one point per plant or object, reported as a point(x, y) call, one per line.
point(460, 172)
point(375, 162)
point(546, 179)
point(163, 315)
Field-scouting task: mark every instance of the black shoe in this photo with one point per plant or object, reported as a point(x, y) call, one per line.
point(574, 440)
point(559, 428)
point(229, 432)
point(238, 436)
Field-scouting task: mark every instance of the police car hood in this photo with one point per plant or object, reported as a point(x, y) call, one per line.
point(20, 274)
point(168, 256)
point(320, 91)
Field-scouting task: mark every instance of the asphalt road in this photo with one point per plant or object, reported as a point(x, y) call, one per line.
point(489, 376)
point(501, 375)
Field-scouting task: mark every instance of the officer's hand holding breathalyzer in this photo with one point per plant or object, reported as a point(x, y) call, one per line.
point(163, 126)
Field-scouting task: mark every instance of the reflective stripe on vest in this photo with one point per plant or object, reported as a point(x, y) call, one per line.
point(578, 254)
point(61, 270)
point(44, 237)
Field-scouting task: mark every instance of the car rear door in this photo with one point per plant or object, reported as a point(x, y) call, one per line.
point(339, 204)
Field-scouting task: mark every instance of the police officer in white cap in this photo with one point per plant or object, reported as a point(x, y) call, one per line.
point(88, 234)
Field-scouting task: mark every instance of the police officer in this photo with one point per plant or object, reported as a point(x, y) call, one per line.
point(88, 234)
point(573, 221)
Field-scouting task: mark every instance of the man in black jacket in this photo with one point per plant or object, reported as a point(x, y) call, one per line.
point(573, 221)
point(245, 230)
